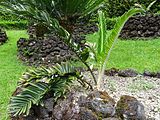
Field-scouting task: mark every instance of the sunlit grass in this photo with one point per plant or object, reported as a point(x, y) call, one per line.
point(140, 55)
point(10, 70)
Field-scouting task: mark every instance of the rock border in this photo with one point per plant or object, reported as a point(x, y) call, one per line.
point(3, 36)
point(147, 26)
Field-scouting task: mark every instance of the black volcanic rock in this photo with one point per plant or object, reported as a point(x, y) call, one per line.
point(3, 36)
point(149, 74)
point(141, 27)
point(128, 73)
point(129, 108)
point(46, 51)
point(111, 72)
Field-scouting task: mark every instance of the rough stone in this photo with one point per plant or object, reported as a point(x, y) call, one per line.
point(128, 73)
point(141, 27)
point(158, 75)
point(69, 108)
point(96, 104)
point(43, 52)
point(129, 108)
point(149, 74)
point(3, 36)
point(101, 103)
point(111, 118)
point(111, 72)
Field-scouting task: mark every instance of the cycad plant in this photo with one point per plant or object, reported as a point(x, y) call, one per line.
point(104, 45)
point(59, 78)
point(37, 82)
point(56, 14)
point(59, 16)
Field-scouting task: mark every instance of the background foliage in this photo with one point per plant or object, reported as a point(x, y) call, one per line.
point(115, 8)
point(10, 21)
point(22, 24)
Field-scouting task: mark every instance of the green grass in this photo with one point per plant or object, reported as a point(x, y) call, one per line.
point(140, 55)
point(10, 70)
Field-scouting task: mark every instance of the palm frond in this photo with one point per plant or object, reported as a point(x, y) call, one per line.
point(111, 39)
point(35, 10)
point(91, 6)
point(51, 12)
point(30, 95)
point(150, 5)
point(37, 82)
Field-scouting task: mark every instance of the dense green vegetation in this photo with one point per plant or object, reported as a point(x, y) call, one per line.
point(22, 24)
point(119, 7)
point(10, 21)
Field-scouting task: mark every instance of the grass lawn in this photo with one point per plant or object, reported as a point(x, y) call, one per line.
point(140, 55)
point(10, 70)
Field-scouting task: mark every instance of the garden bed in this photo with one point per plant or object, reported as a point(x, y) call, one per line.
point(80, 104)
point(145, 89)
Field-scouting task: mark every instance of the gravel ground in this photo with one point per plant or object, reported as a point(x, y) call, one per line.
point(145, 89)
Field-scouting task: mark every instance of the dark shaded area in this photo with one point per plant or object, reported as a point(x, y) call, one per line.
point(130, 73)
point(46, 51)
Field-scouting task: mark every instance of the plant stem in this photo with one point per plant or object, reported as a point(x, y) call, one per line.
point(89, 69)
point(102, 68)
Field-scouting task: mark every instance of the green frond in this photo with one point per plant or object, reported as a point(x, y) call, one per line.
point(36, 75)
point(51, 12)
point(102, 32)
point(150, 5)
point(118, 27)
point(37, 82)
point(111, 40)
point(30, 95)
point(64, 68)
point(92, 5)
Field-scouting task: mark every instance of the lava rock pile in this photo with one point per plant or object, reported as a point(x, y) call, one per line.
point(83, 28)
point(46, 51)
point(95, 105)
point(141, 27)
point(41, 49)
point(3, 36)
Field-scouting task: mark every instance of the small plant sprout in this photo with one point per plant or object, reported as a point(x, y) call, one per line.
point(105, 45)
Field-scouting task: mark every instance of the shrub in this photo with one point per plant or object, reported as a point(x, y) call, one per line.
point(110, 22)
point(14, 24)
point(119, 7)
point(9, 17)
